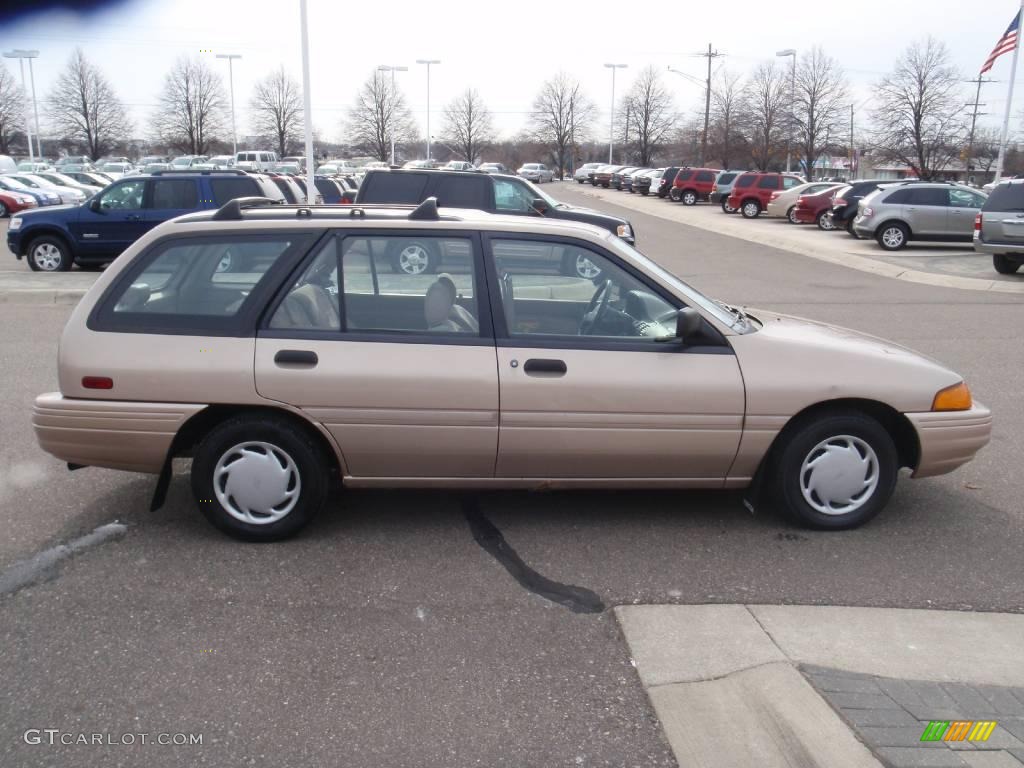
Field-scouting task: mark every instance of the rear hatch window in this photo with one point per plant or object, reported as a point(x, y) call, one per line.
point(726, 178)
point(1005, 197)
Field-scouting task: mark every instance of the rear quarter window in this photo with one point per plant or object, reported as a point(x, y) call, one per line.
point(387, 187)
point(684, 176)
point(745, 181)
point(705, 176)
point(462, 192)
point(225, 189)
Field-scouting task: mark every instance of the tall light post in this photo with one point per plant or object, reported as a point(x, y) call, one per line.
point(21, 55)
point(231, 85)
point(707, 105)
point(792, 105)
point(428, 62)
point(391, 116)
point(307, 106)
point(611, 123)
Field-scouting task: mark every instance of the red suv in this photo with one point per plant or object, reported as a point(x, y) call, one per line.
point(816, 209)
point(693, 184)
point(752, 191)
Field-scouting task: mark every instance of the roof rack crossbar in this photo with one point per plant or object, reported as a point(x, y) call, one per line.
point(232, 209)
point(204, 171)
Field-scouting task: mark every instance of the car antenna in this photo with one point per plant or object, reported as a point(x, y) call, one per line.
point(425, 211)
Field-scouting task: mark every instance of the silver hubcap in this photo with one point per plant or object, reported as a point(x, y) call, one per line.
point(47, 257)
point(792, 215)
point(689, 198)
point(826, 222)
point(839, 475)
point(256, 482)
point(413, 259)
point(586, 268)
point(893, 237)
point(750, 209)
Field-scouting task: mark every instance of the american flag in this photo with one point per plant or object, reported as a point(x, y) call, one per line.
point(1006, 44)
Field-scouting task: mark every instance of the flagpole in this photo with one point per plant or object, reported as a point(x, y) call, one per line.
point(1009, 98)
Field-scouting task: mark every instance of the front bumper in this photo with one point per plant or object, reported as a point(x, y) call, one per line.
point(14, 243)
point(949, 439)
point(132, 436)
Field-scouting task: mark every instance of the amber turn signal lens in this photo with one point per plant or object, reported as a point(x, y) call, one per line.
point(954, 398)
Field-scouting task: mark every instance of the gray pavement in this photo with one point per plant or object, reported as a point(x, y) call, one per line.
point(386, 634)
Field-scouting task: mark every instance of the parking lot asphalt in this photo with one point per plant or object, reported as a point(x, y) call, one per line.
point(389, 633)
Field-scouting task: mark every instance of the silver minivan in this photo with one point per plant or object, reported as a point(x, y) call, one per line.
point(894, 214)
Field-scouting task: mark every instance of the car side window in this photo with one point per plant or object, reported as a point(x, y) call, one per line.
point(554, 288)
point(410, 284)
point(228, 188)
point(899, 197)
point(926, 196)
point(768, 182)
point(705, 176)
point(789, 182)
point(174, 194)
point(126, 196)
point(312, 301)
point(961, 198)
point(509, 196)
point(459, 192)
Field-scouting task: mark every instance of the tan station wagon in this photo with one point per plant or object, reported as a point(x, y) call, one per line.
point(279, 346)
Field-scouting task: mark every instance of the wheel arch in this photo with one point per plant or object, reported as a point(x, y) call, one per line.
point(901, 222)
point(908, 446)
point(29, 237)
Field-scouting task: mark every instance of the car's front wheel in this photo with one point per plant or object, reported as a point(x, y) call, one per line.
point(837, 471)
point(1004, 265)
point(49, 254)
point(259, 478)
point(689, 197)
point(750, 209)
point(892, 236)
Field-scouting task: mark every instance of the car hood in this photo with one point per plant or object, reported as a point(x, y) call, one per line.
point(792, 362)
point(590, 213)
point(47, 210)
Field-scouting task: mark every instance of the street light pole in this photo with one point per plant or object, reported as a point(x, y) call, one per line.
point(21, 55)
point(391, 121)
point(428, 62)
point(611, 122)
point(792, 106)
point(307, 106)
point(231, 84)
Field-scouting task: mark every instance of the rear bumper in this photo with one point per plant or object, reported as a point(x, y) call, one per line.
point(949, 439)
point(132, 436)
point(804, 215)
point(1015, 251)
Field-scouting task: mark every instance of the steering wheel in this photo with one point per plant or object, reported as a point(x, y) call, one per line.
point(592, 317)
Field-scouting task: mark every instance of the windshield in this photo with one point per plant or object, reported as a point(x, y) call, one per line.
point(691, 294)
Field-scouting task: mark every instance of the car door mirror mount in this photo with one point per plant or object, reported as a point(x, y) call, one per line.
point(688, 323)
point(540, 205)
point(94, 205)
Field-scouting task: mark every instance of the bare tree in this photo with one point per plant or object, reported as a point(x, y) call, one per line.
point(561, 116)
point(12, 110)
point(84, 109)
point(728, 119)
point(765, 103)
point(193, 107)
point(918, 115)
point(276, 105)
point(467, 125)
point(648, 116)
point(378, 113)
point(818, 100)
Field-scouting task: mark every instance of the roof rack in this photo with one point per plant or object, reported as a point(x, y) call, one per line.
point(232, 209)
point(204, 171)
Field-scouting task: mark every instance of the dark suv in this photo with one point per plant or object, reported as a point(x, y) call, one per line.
point(95, 232)
point(496, 193)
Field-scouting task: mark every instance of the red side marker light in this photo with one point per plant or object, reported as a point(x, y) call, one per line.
point(97, 382)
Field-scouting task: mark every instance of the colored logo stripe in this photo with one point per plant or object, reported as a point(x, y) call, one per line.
point(982, 730)
point(958, 730)
point(935, 730)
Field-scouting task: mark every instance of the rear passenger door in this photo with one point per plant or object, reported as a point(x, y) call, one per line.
point(964, 205)
point(399, 368)
point(170, 197)
point(926, 209)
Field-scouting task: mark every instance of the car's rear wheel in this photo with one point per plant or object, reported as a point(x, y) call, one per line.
point(825, 221)
point(791, 215)
point(1004, 265)
point(689, 197)
point(3, 210)
point(836, 471)
point(579, 181)
point(892, 236)
point(415, 258)
point(726, 208)
point(49, 254)
point(673, 195)
point(848, 226)
point(750, 209)
point(259, 478)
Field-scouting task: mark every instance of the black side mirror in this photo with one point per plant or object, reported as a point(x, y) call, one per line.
point(688, 323)
point(94, 205)
point(540, 205)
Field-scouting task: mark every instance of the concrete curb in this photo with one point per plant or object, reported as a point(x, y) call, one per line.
point(853, 261)
point(41, 296)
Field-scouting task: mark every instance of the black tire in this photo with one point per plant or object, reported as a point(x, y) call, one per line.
point(689, 197)
point(3, 210)
point(750, 209)
point(426, 261)
point(49, 250)
point(791, 215)
point(825, 222)
point(1003, 264)
point(309, 467)
point(673, 194)
point(848, 226)
point(644, 192)
point(93, 267)
point(892, 235)
point(803, 440)
point(580, 181)
point(725, 206)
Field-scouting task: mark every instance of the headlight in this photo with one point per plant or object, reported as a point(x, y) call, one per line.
point(15, 224)
point(954, 398)
point(26, 199)
point(624, 230)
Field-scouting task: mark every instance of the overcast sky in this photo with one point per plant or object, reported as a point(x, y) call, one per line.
point(504, 50)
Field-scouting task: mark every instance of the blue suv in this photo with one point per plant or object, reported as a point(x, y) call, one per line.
point(95, 232)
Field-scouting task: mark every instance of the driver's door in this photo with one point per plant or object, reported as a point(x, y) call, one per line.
point(118, 222)
point(586, 392)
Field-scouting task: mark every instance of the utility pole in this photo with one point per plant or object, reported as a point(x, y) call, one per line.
point(974, 119)
point(707, 103)
point(611, 122)
point(852, 150)
point(625, 142)
point(231, 82)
